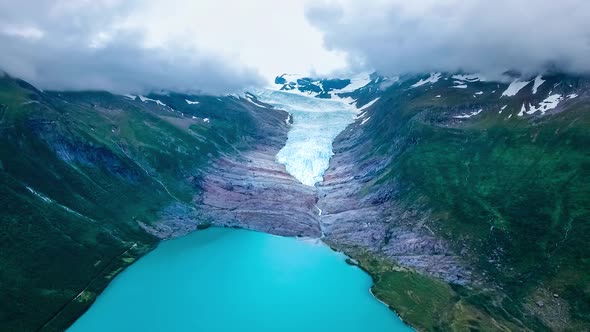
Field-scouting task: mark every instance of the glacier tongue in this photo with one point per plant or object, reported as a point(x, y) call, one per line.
point(316, 123)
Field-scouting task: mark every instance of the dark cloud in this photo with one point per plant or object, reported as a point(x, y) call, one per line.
point(78, 45)
point(453, 35)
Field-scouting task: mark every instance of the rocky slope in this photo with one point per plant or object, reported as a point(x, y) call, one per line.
point(481, 184)
point(251, 190)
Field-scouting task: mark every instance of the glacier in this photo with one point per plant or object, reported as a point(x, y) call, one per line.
point(316, 123)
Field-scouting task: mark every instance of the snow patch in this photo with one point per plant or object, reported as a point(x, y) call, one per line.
point(434, 77)
point(462, 86)
point(548, 104)
point(191, 102)
point(253, 101)
point(365, 121)
point(41, 196)
point(145, 99)
point(369, 104)
point(470, 78)
point(467, 116)
point(522, 110)
point(356, 82)
point(514, 88)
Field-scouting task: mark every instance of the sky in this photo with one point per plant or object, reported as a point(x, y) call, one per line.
point(489, 37)
point(219, 46)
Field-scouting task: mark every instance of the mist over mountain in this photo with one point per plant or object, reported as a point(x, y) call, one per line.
point(399, 37)
point(87, 45)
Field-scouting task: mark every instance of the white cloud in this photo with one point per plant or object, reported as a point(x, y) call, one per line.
point(400, 36)
point(221, 45)
point(134, 46)
point(25, 32)
point(272, 36)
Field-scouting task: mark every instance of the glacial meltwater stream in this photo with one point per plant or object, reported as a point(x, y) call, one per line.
point(237, 280)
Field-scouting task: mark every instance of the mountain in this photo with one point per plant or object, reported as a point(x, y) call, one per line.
point(85, 174)
point(328, 88)
point(465, 199)
point(482, 185)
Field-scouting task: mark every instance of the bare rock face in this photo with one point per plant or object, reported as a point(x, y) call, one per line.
point(357, 213)
point(248, 189)
point(253, 191)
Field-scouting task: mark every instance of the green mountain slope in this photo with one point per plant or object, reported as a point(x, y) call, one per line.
point(509, 191)
point(82, 172)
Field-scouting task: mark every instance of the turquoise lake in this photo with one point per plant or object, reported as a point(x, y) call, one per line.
point(237, 280)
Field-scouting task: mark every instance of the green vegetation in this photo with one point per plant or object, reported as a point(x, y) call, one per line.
point(511, 193)
point(428, 304)
point(79, 172)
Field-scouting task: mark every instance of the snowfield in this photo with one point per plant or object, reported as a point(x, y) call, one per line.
point(514, 88)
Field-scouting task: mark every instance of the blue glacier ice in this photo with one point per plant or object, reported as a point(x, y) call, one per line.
point(316, 123)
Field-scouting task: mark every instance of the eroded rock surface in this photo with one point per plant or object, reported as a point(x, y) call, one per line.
point(253, 191)
point(248, 189)
point(357, 213)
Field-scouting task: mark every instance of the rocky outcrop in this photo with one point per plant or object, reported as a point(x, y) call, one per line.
point(248, 189)
point(350, 210)
point(253, 191)
point(357, 213)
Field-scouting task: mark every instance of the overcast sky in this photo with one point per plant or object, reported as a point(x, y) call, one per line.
point(219, 46)
point(402, 36)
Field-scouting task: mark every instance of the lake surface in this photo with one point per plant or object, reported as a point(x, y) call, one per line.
point(237, 280)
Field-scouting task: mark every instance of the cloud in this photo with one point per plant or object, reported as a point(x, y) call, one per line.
point(82, 44)
point(134, 45)
point(400, 36)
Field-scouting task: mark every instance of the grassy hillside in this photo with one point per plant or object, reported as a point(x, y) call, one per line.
point(511, 193)
point(80, 171)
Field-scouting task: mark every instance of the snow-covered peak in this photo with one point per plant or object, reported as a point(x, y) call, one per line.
point(328, 88)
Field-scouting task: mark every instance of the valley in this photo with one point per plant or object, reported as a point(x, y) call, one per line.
point(436, 186)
